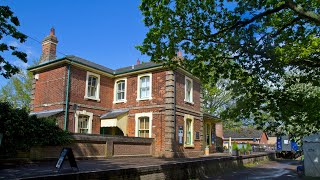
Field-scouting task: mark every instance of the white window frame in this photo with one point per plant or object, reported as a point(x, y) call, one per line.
point(185, 90)
point(138, 87)
point(186, 117)
point(98, 87)
point(115, 91)
point(84, 112)
point(137, 116)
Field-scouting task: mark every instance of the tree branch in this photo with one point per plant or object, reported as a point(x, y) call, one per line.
point(248, 21)
point(306, 14)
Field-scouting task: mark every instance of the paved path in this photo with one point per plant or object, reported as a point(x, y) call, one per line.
point(281, 169)
point(48, 168)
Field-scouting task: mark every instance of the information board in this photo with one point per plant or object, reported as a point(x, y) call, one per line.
point(180, 134)
point(67, 152)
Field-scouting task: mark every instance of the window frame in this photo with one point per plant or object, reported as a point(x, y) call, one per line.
point(186, 118)
point(186, 91)
point(124, 100)
point(137, 123)
point(97, 97)
point(138, 87)
point(76, 123)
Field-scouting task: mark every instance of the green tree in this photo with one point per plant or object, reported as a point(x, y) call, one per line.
point(268, 49)
point(8, 29)
point(18, 89)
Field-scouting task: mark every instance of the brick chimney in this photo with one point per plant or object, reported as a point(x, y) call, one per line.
point(49, 46)
point(138, 61)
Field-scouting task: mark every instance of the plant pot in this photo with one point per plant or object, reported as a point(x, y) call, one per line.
point(235, 153)
point(206, 151)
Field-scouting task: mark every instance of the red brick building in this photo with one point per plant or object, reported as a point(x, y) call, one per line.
point(245, 135)
point(142, 100)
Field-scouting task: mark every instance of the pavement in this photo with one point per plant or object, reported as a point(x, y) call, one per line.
point(37, 169)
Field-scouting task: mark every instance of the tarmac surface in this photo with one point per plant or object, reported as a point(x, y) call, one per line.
point(38, 169)
point(280, 169)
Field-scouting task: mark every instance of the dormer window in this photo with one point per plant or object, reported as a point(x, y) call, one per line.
point(144, 87)
point(120, 88)
point(92, 86)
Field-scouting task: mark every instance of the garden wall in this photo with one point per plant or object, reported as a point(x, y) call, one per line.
point(97, 146)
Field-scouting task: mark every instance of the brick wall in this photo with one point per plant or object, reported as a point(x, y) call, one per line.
point(180, 94)
point(50, 89)
point(158, 91)
point(86, 146)
point(78, 88)
point(264, 138)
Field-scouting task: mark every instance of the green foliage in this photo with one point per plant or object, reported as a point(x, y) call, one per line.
point(268, 50)
point(248, 147)
point(8, 28)
point(18, 89)
point(21, 131)
point(243, 149)
point(235, 146)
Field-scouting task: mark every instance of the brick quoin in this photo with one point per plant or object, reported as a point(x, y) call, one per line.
point(50, 88)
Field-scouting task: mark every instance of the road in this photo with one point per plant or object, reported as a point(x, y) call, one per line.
point(281, 169)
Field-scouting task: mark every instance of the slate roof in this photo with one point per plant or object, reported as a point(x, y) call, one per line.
point(48, 113)
point(248, 133)
point(143, 65)
point(90, 63)
point(114, 113)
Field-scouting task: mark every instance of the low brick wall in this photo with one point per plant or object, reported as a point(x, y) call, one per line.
point(97, 146)
point(193, 169)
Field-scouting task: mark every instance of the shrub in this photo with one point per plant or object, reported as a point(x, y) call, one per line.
point(249, 147)
point(21, 131)
point(243, 149)
point(235, 146)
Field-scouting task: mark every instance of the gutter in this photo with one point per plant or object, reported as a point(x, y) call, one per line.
point(67, 100)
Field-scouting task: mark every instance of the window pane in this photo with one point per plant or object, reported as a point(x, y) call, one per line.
point(141, 123)
point(188, 90)
point(144, 87)
point(83, 126)
point(188, 132)
point(92, 86)
point(119, 87)
point(147, 124)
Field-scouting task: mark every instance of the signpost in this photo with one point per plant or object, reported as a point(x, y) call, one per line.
point(67, 152)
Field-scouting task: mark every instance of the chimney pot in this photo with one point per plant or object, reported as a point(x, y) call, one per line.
point(179, 54)
point(52, 33)
point(138, 61)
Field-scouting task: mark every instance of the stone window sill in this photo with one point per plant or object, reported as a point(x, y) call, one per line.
point(91, 98)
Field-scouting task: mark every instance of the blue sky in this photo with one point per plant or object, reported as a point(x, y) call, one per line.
point(105, 32)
